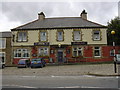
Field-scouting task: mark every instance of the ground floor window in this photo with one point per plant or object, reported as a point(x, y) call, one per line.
point(77, 51)
point(43, 51)
point(112, 52)
point(21, 53)
point(2, 57)
point(97, 51)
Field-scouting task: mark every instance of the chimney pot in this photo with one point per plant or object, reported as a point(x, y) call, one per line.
point(84, 14)
point(41, 16)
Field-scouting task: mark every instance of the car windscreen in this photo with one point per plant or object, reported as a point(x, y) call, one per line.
point(36, 60)
point(21, 62)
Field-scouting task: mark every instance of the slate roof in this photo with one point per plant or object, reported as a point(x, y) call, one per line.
point(5, 34)
point(63, 22)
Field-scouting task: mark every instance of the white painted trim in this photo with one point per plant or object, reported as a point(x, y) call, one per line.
point(5, 43)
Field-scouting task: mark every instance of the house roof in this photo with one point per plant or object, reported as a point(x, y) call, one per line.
point(64, 22)
point(5, 34)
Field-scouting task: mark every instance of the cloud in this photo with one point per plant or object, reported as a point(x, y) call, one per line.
point(24, 12)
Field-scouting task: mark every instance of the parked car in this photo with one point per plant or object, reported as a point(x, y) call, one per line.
point(24, 63)
point(118, 58)
point(38, 62)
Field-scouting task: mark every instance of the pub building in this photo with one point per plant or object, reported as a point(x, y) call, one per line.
point(61, 40)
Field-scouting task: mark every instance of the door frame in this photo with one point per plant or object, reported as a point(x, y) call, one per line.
point(62, 51)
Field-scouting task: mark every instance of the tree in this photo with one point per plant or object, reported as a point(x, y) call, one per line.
point(114, 24)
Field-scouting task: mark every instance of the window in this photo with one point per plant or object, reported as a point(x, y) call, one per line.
point(77, 51)
point(21, 53)
point(96, 35)
point(76, 35)
point(2, 43)
point(25, 53)
point(43, 36)
point(97, 51)
point(43, 51)
point(2, 57)
point(60, 36)
point(112, 52)
point(22, 36)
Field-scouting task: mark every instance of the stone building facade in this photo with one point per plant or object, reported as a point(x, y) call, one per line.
point(62, 40)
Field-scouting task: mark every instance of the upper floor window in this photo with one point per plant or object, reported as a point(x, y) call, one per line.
point(77, 51)
point(97, 51)
point(22, 36)
point(76, 35)
point(43, 51)
point(2, 43)
point(96, 35)
point(60, 36)
point(21, 53)
point(43, 36)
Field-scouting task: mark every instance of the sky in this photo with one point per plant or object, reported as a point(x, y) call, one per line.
point(14, 13)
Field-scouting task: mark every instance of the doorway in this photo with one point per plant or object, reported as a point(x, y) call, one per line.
point(60, 56)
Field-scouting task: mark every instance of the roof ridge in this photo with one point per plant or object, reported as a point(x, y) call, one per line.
point(61, 17)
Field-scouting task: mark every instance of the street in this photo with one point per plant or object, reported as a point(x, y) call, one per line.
point(84, 81)
point(66, 76)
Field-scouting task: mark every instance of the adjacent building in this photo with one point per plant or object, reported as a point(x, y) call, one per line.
point(61, 40)
point(5, 48)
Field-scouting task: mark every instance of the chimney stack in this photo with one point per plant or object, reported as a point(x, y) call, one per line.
point(41, 16)
point(84, 14)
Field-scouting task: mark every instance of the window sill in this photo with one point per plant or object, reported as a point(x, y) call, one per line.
point(97, 56)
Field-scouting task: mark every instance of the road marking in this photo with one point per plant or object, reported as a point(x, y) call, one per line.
point(20, 86)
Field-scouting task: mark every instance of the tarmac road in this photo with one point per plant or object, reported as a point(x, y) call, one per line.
point(83, 81)
point(65, 76)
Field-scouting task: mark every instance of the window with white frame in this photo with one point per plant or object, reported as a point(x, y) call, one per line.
point(77, 35)
point(96, 35)
point(22, 36)
point(60, 36)
point(21, 53)
point(2, 57)
point(112, 52)
point(77, 51)
point(97, 51)
point(43, 51)
point(43, 36)
point(2, 43)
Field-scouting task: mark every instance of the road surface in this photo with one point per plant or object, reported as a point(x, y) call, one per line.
point(83, 81)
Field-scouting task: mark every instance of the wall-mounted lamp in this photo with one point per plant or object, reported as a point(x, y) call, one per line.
point(59, 45)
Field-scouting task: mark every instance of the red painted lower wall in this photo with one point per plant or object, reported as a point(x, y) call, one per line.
point(87, 55)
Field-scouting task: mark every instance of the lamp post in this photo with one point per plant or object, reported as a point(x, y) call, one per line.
point(113, 34)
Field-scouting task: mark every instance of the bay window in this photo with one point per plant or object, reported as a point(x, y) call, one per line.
point(77, 51)
point(43, 51)
point(21, 53)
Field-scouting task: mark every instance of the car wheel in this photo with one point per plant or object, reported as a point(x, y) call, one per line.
point(3, 66)
point(41, 66)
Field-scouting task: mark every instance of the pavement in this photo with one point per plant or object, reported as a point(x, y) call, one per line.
point(65, 70)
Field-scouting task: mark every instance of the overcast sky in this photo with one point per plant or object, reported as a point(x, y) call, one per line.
point(13, 14)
